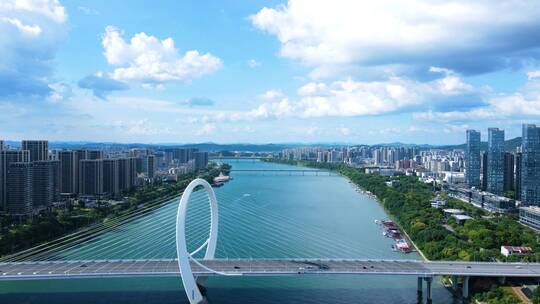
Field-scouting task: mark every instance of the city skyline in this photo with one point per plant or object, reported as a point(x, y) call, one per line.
point(267, 72)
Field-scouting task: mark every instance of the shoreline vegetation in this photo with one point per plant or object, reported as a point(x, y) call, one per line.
point(438, 238)
point(78, 219)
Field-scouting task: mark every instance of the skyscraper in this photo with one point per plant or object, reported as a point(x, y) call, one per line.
point(111, 178)
point(39, 149)
point(517, 185)
point(148, 165)
point(68, 171)
point(484, 170)
point(530, 165)
point(45, 183)
point(6, 158)
point(201, 160)
point(472, 159)
point(94, 154)
point(19, 181)
point(509, 161)
point(91, 177)
point(495, 161)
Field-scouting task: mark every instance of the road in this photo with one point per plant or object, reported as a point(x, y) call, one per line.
point(245, 267)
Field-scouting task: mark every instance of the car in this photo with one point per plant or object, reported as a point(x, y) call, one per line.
point(236, 267)
point(84, 265)
point(469, 267)
point(518, 267)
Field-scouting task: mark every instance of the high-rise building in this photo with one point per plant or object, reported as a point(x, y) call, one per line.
point(19, 181)
point(8, 157)
point(135, 167)
point(148, 165)
point(69, 167)
point(517, 185)
point(530, 165)
point(509, 172)
point(484, 166)
point(201, 160)
point(495, 161)
point(39, 149)
point(2, 145)
point(127, 168)
point(472, 159)
point(91, 177)
point(111, 178)
point(94, 154)
point(45, 183)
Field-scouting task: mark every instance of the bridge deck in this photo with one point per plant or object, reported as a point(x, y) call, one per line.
point(244, 267)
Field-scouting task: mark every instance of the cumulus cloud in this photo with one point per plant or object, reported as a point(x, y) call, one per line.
point(533, 74)
point(152, 61)
point(466, 36)
point(24, 28)
point(101, 85)
point(51, 9)
point(524, 103)
point(363, 98)
point(30, 32)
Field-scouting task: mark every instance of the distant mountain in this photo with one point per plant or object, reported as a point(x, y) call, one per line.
point(210, 147)
point(509, 145)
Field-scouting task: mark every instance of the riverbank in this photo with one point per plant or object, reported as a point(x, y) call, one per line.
point(59, 223)
point(407, 202)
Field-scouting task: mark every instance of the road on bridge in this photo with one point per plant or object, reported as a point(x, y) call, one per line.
point(259, 267)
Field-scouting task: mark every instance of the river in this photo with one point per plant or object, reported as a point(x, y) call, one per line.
point(262, 215)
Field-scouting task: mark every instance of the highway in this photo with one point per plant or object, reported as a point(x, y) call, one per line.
point(261, 267)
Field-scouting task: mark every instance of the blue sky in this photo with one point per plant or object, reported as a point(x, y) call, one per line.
point(267, 71)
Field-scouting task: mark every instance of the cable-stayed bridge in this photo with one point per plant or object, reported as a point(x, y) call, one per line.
point(182, 239)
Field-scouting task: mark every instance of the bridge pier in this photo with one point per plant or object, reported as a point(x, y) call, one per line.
point(454, 283)
point(428, 290)
point(419, 290)
point(465, 289)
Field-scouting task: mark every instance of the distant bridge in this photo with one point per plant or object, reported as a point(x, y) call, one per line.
point(237, 157)
point(288, 171)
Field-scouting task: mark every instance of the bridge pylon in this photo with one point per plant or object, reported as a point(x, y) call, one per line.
point(184, 256)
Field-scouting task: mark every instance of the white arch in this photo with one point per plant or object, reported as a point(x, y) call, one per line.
point(188, 280)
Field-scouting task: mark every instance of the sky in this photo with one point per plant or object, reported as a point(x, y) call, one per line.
point(302, 71)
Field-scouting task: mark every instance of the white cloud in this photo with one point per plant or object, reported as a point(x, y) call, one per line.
point(272, 94)
point(88, 10)
point(51, 9)
point(206, 129)
point(344, 131)
point(524, 103)
point(59, 92)
point(152, 61)
point(142, 127)
point(24, 28)
point(533, 74)
point(252, 63)
point(30, 34)
point(361, 98)
point(468, 36)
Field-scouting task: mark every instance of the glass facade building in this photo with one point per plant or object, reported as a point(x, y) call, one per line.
point(530, 165)
point(472, 159)
point(495, 161)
